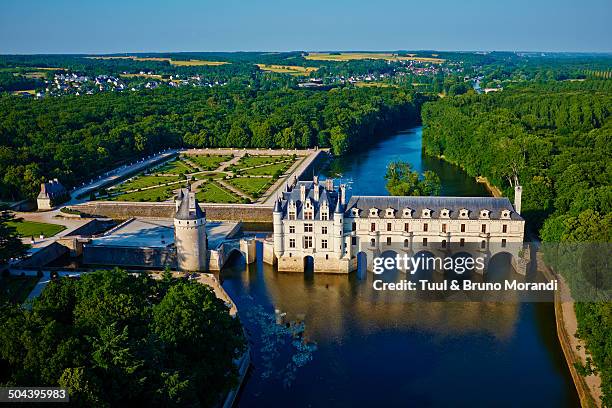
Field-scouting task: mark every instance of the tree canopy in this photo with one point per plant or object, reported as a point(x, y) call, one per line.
point(403, 181)
point(116, 339)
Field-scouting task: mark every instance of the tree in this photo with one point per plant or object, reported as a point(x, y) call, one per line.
point(402, 181)
point(10, 243)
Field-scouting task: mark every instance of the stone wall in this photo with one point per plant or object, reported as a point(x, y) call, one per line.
point(214, 212)
point(129, 256)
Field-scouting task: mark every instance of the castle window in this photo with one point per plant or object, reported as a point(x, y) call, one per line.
point(307, 242)
point(355, 212)
point(388, 240)
point(354, 226)
point(307, 227)
point(462, 242)
point(426, 213)
point(292, 229)
point(444, 213)
point(388, 226)
point(373, 242)
point(353, 240)
point(308, 215)
point(373, 227)
point(425, 227)
point(407, 212)
point(324, 230)
point(483, 228)
point(324, 217)
point(324, 244)
point(424, 241)
point(390, 212)
point(504, 228)
point(373, 212)
point(443, 243)
point(443, 227)
point(406, 243)
point(463, 213)
point(462, 227)
point(505, 214)
point(503, 242)
point(292, 215)
point(484, 213)
point(483, 244)
point(292, 243)
point(406, 227)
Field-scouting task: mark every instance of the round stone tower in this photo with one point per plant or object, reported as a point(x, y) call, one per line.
point(190, 233)
point(277, 218)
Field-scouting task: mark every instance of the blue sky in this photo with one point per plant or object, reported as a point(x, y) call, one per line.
point(86, 26)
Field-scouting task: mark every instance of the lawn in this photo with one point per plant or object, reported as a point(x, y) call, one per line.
point(348, 56)
point(35, 229)
point(174, 167)
point(208, 162)
point(145, 181)
point(251, 161)
point(253, 186)
point(213, 193)
point(287, 69)
point(151, 195)
point(17, 288)
point(268, 170)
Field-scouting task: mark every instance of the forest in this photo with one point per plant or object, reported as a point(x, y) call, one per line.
point(120, 340)
point(557, 140)
point(73, 138)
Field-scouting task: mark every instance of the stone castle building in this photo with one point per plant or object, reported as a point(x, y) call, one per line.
point(314, 223)
point(51, 194)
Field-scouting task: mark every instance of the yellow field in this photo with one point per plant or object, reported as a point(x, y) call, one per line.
point(30, 91)
point(348, 56)
point(287, 69)
point(160, 59)
point(374, 84)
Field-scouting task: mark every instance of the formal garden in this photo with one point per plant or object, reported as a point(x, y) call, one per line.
point(221, 178)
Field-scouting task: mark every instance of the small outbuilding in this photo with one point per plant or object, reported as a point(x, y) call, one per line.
point(51, 194)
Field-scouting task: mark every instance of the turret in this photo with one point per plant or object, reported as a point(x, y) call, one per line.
point(190, 233)
point(277, 221)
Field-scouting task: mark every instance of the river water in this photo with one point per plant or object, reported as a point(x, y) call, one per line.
point(328, 340)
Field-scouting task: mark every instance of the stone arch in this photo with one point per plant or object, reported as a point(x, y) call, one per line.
point(362, 264)
point(235, 258)
point(500, 266)
point(464, 269)
point(423, 271)
point(308, 263)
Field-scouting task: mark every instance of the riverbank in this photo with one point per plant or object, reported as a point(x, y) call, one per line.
point(589, 387)
point(494, 190)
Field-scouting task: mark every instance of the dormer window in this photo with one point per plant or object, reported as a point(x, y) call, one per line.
point(355, 212)
point(426, 213)
point(445, 213)
point(505, 214)
point(464, 213)
point(292, 210)
point(484, 213)
point(389, 212)
point(373, 212)
point(407, 213)
point(325, 211)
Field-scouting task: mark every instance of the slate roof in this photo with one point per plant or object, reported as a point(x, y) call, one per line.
point(52, 189)
point(417, 203)
point(184, 212)
point(325, 196)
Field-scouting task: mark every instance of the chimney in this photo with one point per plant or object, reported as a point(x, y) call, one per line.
point(316, 191)
point(302, 192)
point(518, 193)
point(343, 194)
point(329, 184)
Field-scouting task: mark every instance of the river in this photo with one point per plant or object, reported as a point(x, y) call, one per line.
point(334, 341)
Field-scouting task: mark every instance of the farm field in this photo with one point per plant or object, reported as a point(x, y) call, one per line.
point(213, 193)
point(287, 69)
point(161, 59)
point(348, 56)
point(252, 186)
point(208, 162)
point(35, 229)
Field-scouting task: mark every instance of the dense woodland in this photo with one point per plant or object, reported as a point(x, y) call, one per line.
point(73, 138)
point(557, 139)
point(118, 340)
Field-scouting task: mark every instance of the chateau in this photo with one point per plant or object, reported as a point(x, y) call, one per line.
point(314, 223)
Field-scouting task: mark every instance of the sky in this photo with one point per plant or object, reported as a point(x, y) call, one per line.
point(116, 26)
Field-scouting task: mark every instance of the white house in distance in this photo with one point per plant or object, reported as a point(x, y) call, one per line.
point(313, 222)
